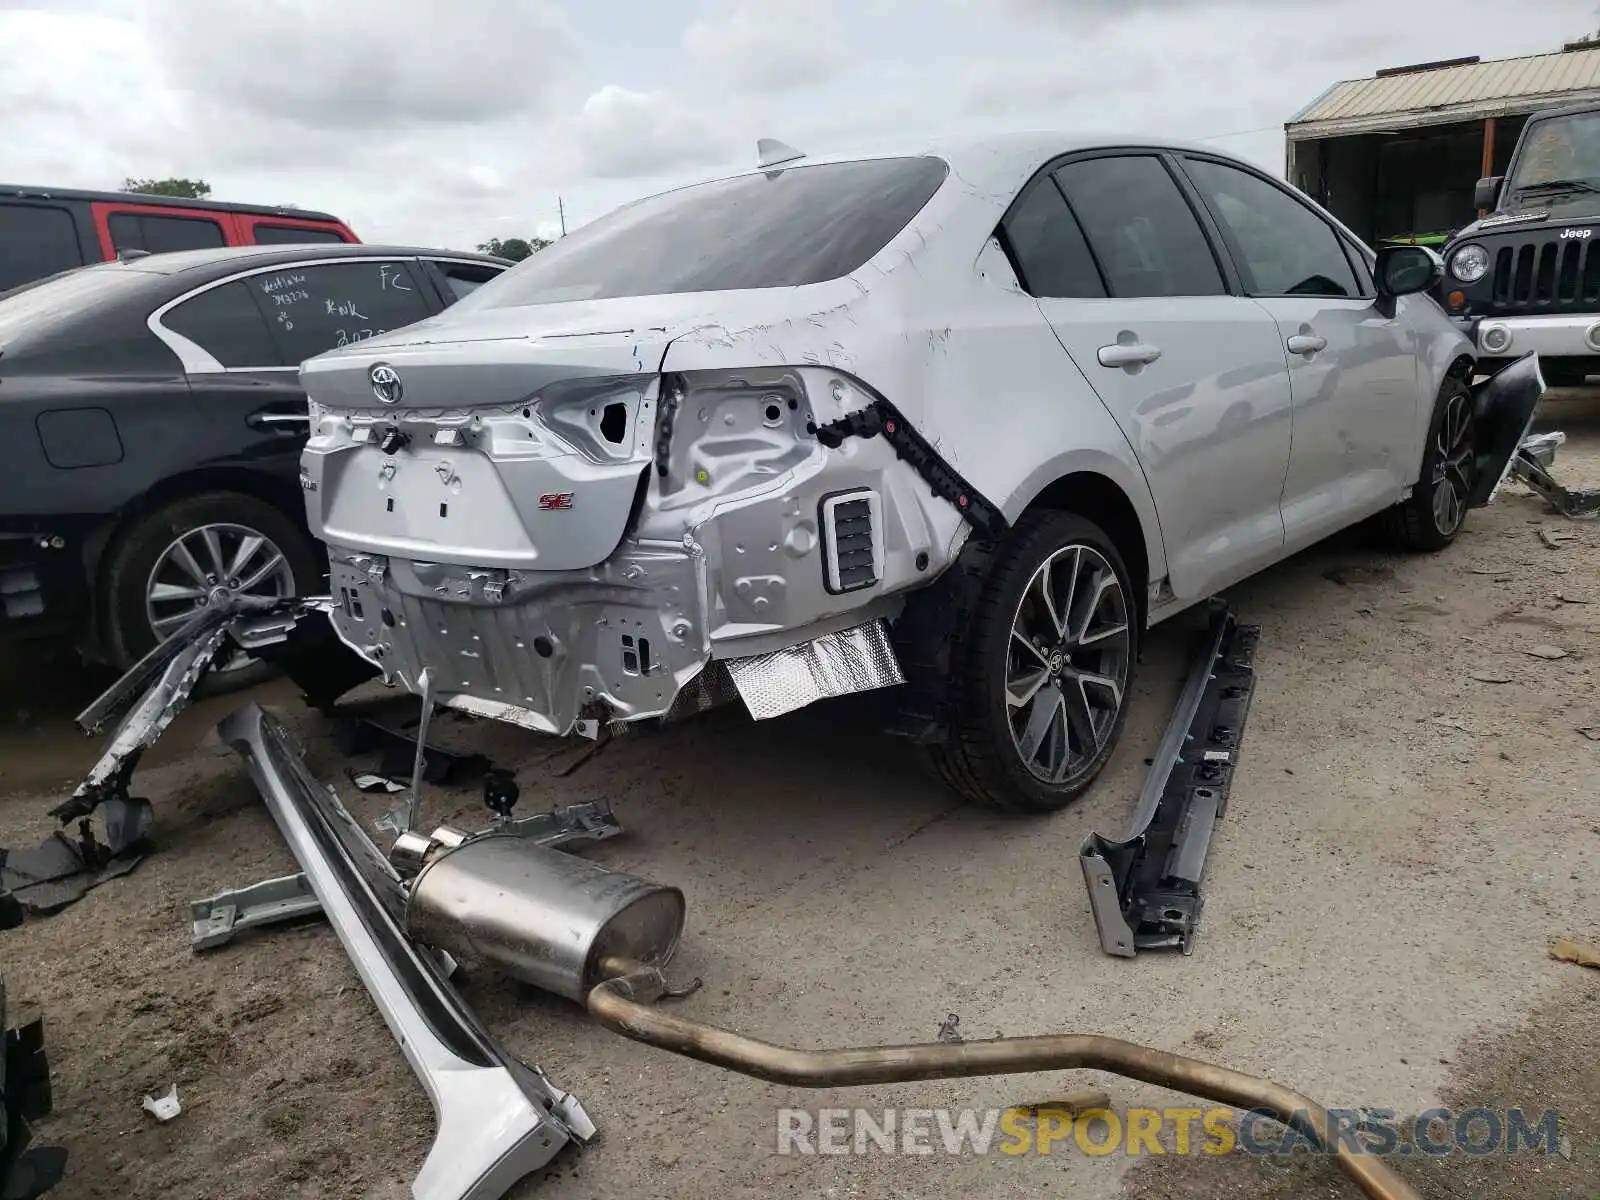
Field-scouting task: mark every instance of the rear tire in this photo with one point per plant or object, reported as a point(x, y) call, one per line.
point(1043, 670)
point(1430, 520)
point(146, 562)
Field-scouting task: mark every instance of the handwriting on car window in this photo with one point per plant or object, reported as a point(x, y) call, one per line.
point(391, 276)
point(280, 283)
point(349, 337)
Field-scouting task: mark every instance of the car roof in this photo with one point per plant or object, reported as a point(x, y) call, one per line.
point(990, 161)
point(1025, 145)
point(240, 257)
point(34, 192)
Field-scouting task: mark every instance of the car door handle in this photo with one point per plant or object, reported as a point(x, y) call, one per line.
point(1306, 343)
point(268, 418)
point(1128, 354)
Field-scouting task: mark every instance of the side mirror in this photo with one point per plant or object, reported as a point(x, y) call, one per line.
point(1487, 193)
point(1406, 270)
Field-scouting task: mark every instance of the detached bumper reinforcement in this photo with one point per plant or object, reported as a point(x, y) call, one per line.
point(498, 1119)
point(1531, 468)
point(1145, 889)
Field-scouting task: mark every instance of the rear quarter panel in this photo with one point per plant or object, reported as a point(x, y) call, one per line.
point(958, 347)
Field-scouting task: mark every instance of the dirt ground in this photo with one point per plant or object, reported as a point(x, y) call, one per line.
point(1402, 841)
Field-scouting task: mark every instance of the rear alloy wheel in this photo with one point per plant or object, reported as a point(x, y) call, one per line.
point(1068, 664)
point(1433, 516)
point(1042, 696)
point(199, 552)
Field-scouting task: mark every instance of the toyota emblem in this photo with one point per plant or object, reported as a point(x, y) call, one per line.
point(385, 383)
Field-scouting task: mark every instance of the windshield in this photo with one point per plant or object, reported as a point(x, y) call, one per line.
point(1559, 150)
point(772, 229)
point(37, 305)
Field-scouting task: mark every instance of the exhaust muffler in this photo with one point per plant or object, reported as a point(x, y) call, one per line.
point(542, 916)
point(601, 938)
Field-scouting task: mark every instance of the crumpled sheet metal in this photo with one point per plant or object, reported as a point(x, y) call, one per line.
point(160, 684)
point(712, 688)
point(145, 722)
point(836, 664)
point(1531, 467)
point(157, 709)
point(1542, 447)
point(498, 1119)
point(149, 670)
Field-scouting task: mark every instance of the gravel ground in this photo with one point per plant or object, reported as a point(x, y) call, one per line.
point(1402, 841)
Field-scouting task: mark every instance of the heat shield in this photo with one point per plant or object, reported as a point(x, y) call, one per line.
point(836, 664)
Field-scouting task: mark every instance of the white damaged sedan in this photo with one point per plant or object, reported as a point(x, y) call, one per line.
point(966, 418)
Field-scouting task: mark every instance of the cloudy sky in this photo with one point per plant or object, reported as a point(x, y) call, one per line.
point(443, 122)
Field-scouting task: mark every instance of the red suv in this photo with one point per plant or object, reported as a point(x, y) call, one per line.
point(47, 230)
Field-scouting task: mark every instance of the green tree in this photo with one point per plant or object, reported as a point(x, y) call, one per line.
point(192, 189)
point(516, 249)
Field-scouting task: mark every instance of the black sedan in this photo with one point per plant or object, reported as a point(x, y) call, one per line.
point(154, 418)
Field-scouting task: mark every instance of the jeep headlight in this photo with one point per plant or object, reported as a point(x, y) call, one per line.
point(1470, 263)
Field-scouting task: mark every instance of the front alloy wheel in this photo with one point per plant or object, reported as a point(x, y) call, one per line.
point(1452, 476)
point(1068, 664)
point(1431, 517)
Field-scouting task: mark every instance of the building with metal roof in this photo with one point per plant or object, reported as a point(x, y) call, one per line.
point(1396, 156)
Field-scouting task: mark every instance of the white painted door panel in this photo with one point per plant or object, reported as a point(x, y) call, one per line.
point(1355, 402)
point(1209, 418)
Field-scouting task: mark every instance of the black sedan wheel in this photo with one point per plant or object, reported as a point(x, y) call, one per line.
point(197, 552)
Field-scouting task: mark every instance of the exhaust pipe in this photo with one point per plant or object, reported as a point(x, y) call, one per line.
point(602, 937)
point(621, 1005)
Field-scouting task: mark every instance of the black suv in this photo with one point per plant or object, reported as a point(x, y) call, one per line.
point(1527, 277)
point(154, 420)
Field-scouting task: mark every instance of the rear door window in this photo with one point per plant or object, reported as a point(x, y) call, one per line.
point(771, 229)
point(293, 235)
point(311, 309)
point(1142, 231)
point(1048, 245)
point(161, 234)
point(458, 280)
point(227, 324)
point(36, 240)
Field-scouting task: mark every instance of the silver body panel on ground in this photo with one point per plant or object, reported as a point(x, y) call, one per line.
point(215, 920)
point(526, 505)
point(497, 1119)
